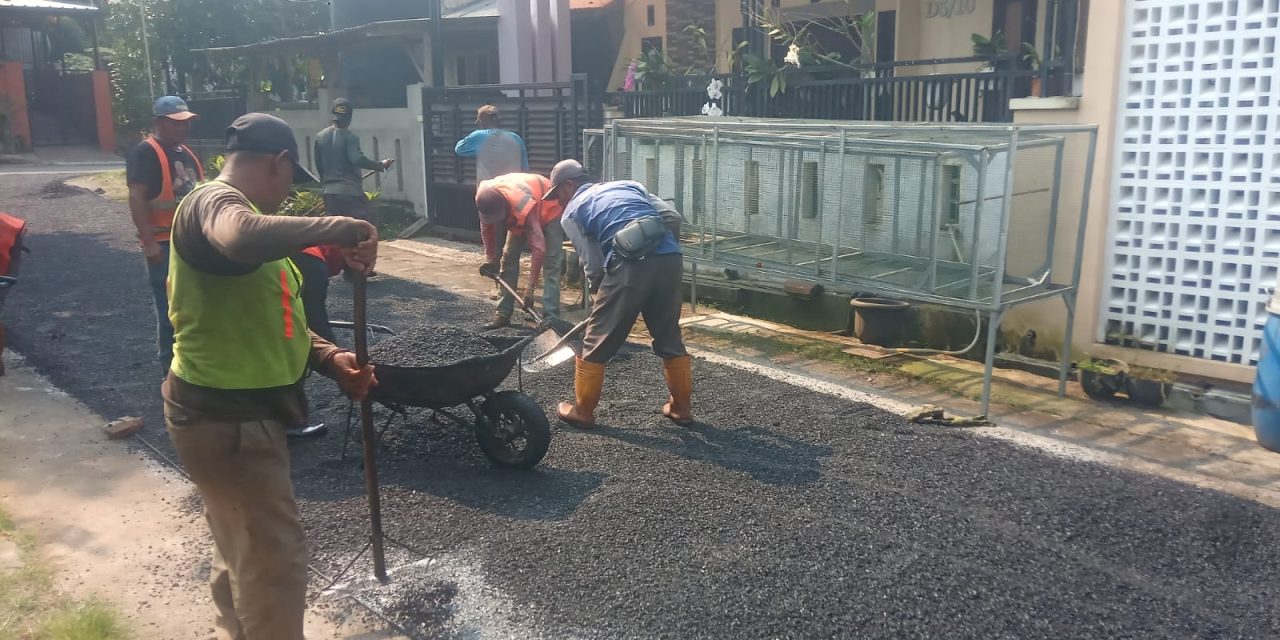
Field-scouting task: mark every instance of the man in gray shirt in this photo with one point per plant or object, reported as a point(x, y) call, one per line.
point(339, 161)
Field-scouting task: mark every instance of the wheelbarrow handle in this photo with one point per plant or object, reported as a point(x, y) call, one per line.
point(376, 328)
point(521, 301)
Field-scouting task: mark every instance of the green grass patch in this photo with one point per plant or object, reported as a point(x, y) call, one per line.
point(808, 349)
point(91, 620)
point(31, 609)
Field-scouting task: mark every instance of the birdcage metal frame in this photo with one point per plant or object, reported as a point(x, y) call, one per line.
point(988, 156)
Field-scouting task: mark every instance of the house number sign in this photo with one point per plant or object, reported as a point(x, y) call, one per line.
point(951, 8)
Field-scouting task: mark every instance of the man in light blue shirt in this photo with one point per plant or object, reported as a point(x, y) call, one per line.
point(649, 284)
point(497, 153)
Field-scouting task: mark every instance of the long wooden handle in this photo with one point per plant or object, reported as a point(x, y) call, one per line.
point(368, 435)
point(523, 303)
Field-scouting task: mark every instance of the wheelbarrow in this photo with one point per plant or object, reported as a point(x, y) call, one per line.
point(510, 427)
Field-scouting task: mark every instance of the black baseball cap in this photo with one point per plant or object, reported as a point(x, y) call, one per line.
point(564, 171)
point(341, 109)
point(266, 133)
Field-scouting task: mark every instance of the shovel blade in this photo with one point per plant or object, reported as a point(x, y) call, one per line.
point(546, 353)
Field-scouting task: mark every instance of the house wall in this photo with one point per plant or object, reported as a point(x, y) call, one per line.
point(921, 33)
point(635, 28)
point(1098, 105)
point(383, 128)
point(13, 101)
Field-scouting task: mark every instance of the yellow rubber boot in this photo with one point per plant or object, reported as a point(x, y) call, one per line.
point(588, 380)
point(679, 372)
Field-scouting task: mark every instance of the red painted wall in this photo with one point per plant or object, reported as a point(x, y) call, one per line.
point(13, 90)
point(102, 111)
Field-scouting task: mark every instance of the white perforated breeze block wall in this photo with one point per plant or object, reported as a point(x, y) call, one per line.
point(1195, 236)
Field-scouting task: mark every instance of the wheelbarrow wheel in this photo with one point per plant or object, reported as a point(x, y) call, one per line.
point(514, 431)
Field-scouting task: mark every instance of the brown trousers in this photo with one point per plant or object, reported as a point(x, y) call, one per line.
point(650, 288)
point(259, 571)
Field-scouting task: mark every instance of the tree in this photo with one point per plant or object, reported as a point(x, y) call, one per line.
point(176, 27)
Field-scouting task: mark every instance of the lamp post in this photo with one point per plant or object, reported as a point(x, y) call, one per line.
point(146, 51)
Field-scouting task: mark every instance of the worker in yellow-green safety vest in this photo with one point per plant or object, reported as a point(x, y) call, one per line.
point(241, 353)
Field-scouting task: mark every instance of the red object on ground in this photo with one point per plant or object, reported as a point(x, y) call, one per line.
point(10, 229)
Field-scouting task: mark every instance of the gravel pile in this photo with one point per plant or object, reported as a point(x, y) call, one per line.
point(429, 347)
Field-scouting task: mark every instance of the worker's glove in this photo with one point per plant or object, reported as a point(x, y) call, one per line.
point(489, 269)
point(386, 164)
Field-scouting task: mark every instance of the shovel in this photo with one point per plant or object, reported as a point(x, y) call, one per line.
point(554, 349)
point(368, 435)
point(524, 306)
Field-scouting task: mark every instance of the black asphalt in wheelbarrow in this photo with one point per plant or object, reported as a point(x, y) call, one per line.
point(511, 429)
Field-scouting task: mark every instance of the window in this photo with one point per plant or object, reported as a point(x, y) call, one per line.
point(460, 66)
point(951, 182)
point(809, 189)
point(751, 188)
point(699, 186)
point(651, 174)
point(653, 16)
point(653, 44)
point(873, 193)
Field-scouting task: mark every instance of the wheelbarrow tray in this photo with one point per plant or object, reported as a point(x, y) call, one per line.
point(449, 385)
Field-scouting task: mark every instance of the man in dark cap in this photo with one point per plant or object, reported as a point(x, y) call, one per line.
point(339, 161)
point(160, 171)
point(627, 239)
point(241, 355)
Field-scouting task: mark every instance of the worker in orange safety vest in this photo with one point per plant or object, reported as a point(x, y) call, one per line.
point(161, 170)
point(516, 200)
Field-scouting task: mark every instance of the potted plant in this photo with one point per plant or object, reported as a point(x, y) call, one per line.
point(1032, 57)
point(1149, 387)
point(652, 71)
point(994, 49)
point(1102, 378)
point(865, 26)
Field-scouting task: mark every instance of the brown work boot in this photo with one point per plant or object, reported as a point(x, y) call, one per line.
point(679, 372)
point(499, 321)
point(588, 380)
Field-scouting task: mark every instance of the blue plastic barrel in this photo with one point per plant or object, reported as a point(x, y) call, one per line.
point(1266, 388)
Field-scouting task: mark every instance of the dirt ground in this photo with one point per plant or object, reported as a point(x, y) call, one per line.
point(112, 521)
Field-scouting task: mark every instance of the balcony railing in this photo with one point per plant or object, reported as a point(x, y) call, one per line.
point(940, 90)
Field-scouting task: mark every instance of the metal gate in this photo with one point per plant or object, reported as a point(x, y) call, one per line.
point(1196, 220)
point(61, 107)
point(549, 116)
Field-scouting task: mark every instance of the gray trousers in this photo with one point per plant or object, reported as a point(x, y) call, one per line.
point(649, 288)
point(552, 270)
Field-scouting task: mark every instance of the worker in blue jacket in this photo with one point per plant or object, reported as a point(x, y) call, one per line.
point(627, 242)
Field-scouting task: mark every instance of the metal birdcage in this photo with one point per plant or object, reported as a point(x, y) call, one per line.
point(967, 216)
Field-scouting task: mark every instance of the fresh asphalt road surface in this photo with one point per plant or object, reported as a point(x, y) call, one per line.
point(789, 514)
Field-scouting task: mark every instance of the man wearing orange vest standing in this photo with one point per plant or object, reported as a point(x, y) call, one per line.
point(515, 199)
point(160, 171)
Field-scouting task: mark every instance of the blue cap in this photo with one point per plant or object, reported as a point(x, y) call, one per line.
point(172, 107)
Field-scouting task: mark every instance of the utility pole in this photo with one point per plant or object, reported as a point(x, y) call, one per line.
point(146, 51)
point(437, 43)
